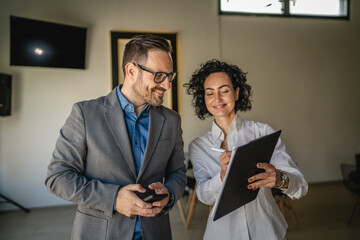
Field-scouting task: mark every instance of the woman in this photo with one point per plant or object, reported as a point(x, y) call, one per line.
point(220, 90)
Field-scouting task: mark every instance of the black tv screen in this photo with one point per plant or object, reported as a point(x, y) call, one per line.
point(46, 44)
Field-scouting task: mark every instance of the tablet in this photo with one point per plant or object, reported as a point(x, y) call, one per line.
point(234, 192)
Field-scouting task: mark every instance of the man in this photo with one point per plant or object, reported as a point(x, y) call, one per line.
point(115, 148)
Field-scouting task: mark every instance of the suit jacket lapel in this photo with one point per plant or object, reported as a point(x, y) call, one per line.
point(156, 122)
point(116, 121)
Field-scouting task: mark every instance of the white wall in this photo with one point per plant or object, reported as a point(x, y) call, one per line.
point(306, 81)
point(303, 72)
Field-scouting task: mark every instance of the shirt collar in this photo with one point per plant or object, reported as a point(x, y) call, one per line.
point(125, 104)
point(217, 134)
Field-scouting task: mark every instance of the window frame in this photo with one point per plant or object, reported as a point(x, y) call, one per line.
point(287, 13)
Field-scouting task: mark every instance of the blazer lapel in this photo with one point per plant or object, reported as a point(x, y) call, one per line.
point(116, 121)
point(156, 122)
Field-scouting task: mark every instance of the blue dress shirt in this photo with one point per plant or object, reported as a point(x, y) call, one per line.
point(138, 128)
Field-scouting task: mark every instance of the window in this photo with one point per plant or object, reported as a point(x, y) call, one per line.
point(287, 8)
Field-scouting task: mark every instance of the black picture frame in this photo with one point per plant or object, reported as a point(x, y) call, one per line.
point(118, 36)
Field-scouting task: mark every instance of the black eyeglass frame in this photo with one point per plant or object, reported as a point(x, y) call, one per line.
point(171, 76)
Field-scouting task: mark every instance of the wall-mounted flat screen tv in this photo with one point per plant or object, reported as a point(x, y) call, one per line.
point(46, 44)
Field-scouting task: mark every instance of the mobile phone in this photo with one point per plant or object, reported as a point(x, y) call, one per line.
point(154, 197)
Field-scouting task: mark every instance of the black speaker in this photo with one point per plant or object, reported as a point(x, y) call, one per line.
point(5, 94)
point(357, 156)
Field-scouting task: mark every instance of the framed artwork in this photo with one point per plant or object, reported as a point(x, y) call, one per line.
point(118, 42)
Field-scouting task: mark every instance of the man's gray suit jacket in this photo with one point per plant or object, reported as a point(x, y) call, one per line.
point(93, 159)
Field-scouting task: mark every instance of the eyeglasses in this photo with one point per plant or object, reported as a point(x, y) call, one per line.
point(159, 77)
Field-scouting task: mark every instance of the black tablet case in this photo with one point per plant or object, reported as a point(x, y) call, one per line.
point(235, 193)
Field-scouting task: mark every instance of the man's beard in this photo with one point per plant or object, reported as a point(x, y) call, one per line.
point(144, 94)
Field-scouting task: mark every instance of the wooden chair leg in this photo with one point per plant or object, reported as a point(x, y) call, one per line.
point(210, 208)
point(192, 207)
point(292, 212)
point(353, 209)
point(182, 213)
point(282, 206)
point(187, 206)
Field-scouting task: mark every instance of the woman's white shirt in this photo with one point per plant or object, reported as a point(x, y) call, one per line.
point(259, 219)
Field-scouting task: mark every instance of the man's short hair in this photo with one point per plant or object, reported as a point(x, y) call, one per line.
point(136, 50)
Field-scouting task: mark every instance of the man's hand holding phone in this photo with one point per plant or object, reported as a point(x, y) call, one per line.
point(130, 204)
point(160, 189)
point(154, 197)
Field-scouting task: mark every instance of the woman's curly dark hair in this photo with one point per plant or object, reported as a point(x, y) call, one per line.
point(195, 86)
